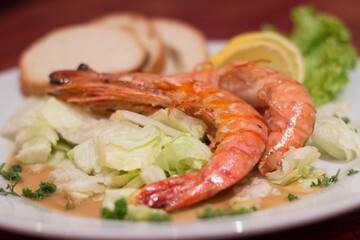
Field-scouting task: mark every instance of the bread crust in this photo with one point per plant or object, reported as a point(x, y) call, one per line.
point(183, 26)
point(31, 84)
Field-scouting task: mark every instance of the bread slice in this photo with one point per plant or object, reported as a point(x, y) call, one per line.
point(102, 49)
point(146, 33)
point(186, 45)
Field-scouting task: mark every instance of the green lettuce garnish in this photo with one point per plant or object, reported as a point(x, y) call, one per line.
point(295, 165)
point(325, 44)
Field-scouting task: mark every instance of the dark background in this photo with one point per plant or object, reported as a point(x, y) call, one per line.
point(21, 22)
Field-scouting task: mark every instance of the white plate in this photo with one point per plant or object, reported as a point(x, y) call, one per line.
point(22, 216)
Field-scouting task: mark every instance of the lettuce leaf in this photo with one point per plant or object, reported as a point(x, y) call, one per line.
point(303, 184)
point(180, 121)
point(152, 173)
point(27, 114)
point(85, 156)
point(36, 150)
point(334, 133)
point(296, 164)
point(336, 137)
point(325, 44)
point(143, 121)
point(182, 154)
point(59, 115)
point(133, 212)
point(77, 184)
point(59, 159)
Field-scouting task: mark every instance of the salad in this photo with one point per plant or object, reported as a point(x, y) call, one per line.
point(105, 160)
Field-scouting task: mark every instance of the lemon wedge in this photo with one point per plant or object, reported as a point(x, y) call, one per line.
point(284, 56)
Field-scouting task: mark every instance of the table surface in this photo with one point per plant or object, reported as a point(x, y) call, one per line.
point(21, 22)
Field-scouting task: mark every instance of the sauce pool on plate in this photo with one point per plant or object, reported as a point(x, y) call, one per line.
point(33, 175)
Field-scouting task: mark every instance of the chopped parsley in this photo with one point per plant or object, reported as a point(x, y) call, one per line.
point(210, 213)
point(155, 217)
point(352, 172)
point(3, 192)
point(12, 175)
point(69, 207)
point(45, 190)
point(120, 212)
point(323, 180)
point(259, 126)
point(345, 119)
point(15, 168)
point(292, 197)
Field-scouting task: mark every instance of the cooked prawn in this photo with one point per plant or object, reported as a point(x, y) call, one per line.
point(238, 132)
point(287, 106)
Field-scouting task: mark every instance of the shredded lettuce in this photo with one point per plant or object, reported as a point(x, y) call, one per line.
point(85, 156)
point(152, 173)
point(182, 154)
point(77, 184)
point(143, 121)
point(128, 150)
point(132, 150)
point(303, 184)
point(112, 195)
point(340, 108)
point(334, 133)
point(27, 114)
point(36, 150)
point(124, 178)
point(325, 44)
point(255, 188)
point(133, 212)
point(296, 164)
point(59, 116)
point(180, 121)
point(39, 129)
point(137, 182)
point(59, 159)
point(74, 125)
point(336, 137)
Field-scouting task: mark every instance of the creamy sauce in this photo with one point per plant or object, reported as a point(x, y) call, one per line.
point(92, 208)
point(57, 201)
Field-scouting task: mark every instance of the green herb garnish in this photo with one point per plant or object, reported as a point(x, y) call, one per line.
point(45, 190)
point(292, 197)
point(323, 180)
point(15, 168)
point(155, 217)
point(119, 212)
point(345, 119)
point(12, 176)
point(3, 192)
point(210, 213)
point(352, 172)
point(69, 207)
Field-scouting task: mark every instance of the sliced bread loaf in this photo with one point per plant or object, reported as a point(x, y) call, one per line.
point(146, 33)
point(102, 49)
point(186, 45)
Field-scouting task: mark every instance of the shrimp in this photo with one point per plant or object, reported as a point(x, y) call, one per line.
point(287, 106)
point(237, 131)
